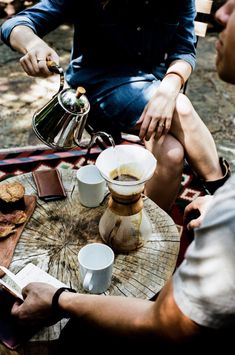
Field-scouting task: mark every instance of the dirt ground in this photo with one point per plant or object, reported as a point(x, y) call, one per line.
point(21, 96)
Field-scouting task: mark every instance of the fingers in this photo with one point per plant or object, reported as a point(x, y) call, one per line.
point(153, 125)
point(15, 308)
point(144, 123)
point(34, 63)
point(150, 126)
point(142, 116)
point(158, 129)
point(189, 208)
point(34, 67)
point(195, 223)
point(195, 211)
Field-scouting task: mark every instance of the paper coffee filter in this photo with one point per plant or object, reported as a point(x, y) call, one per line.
point(137, 160)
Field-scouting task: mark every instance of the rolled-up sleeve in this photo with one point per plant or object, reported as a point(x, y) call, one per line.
point(183, 46)
point(42, 18)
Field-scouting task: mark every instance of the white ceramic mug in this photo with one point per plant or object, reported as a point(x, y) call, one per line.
point(91, 186)
point(96, 266)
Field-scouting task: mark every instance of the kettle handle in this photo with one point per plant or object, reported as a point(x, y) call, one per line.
point(55, 68)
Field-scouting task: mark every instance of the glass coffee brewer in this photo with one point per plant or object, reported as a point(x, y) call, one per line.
point(125, 225)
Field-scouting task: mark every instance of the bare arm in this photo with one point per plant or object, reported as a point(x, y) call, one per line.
point(135, 317)
point(35, 51)
point(157, 115)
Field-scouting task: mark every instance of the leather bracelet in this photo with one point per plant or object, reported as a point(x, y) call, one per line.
point(55, 300)
point(179, 75)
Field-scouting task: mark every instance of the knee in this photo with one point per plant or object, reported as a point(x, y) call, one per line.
point(184, 107)
point(185, 117)
point(172, 158)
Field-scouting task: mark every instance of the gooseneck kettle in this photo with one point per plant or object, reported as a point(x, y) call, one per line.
point(61, 122)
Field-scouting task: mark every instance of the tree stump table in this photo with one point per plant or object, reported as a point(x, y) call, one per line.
point(57, 230)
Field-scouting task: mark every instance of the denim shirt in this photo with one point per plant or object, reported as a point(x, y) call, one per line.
point(126, 35)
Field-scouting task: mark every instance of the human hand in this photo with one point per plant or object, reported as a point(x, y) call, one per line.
point(37, 306)
point(201, 204)
point(34, 62)
point(157, 115)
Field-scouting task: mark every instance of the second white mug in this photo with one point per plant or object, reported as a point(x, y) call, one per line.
point(96, 266)
point(91, 186)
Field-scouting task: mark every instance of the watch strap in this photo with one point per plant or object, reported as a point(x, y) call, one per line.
point(55, 300)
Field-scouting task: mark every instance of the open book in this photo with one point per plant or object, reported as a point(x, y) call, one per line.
point(11, 333)
point(14, 283)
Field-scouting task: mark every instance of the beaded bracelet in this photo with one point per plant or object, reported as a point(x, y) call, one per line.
point(179, 75)
point(55, 300)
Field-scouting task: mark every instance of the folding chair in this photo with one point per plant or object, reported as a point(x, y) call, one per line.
point(203, 8)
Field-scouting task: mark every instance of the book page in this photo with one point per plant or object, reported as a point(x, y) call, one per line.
point(11, 287)
point(30, 273)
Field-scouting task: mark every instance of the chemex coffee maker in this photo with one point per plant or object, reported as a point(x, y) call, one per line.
point(60, 123)
point(125, 225)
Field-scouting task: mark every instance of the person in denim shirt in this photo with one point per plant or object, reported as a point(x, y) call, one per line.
point(133, 57)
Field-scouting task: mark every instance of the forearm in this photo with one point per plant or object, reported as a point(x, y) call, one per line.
point(23, 38)
point(35, 51)
point(132, 319)
point(173, 82)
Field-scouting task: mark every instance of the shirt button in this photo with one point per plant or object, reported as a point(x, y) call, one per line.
point(139, 28)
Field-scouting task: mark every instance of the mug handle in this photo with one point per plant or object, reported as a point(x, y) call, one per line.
point(87, 285)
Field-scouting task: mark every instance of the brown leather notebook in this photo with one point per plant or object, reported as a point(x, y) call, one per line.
point(49, 185)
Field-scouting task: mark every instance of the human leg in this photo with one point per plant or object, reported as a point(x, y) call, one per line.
point(117, 105)
point(163, 187)
point(200, 149)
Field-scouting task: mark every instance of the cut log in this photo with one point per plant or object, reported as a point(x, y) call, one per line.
point(57, 230)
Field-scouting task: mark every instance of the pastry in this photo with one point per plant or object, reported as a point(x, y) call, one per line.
point(16, 217)
point(6, 229)
point(11, 197)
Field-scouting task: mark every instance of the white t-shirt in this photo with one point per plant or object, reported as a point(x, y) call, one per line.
point(204, 284)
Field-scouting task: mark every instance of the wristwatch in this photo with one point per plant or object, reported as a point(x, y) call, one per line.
point(55, 301)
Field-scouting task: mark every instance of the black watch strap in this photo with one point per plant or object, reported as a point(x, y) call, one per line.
point(55, 300)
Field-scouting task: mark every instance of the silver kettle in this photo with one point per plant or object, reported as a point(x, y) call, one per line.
point(61, 122)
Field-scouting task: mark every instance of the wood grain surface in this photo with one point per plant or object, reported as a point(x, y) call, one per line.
point(57, 230)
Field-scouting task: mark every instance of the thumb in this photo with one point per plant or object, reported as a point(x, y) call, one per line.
point(15, 308)
point(140, 120)
point(53, 56)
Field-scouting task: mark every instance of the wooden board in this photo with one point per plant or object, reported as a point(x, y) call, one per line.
point(57, 230)
point(8, 244)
